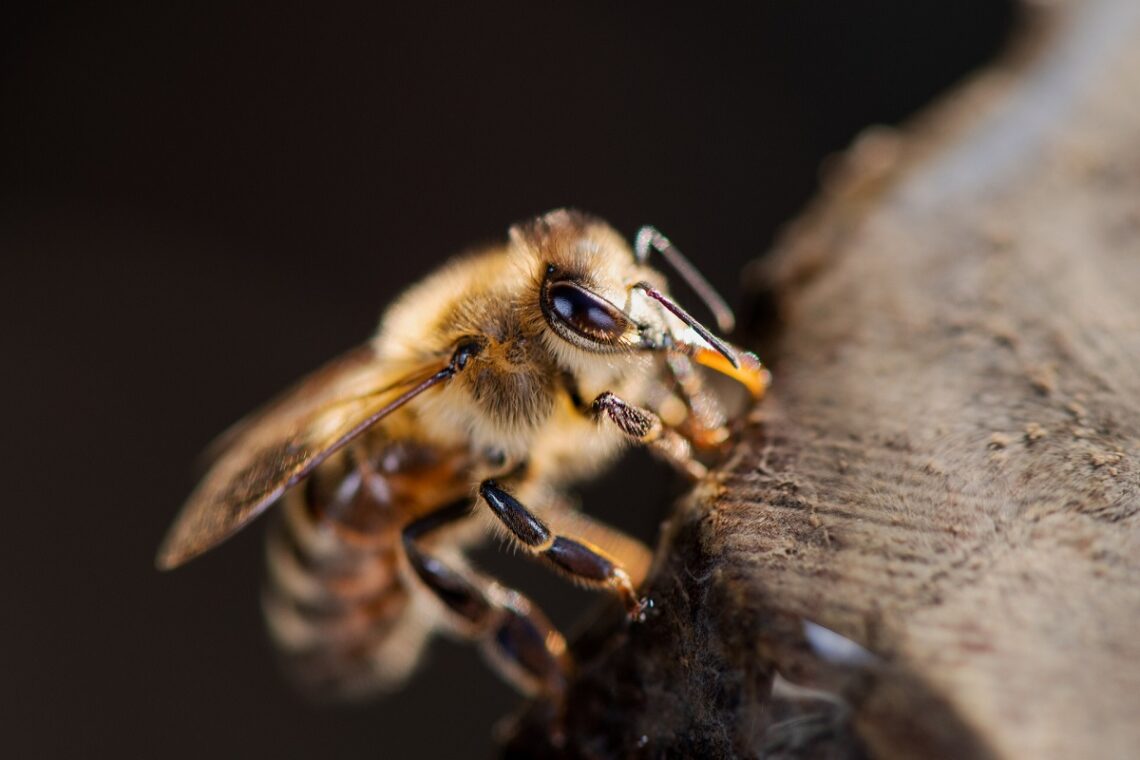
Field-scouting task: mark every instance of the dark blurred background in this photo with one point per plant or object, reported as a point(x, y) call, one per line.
point(199, 204)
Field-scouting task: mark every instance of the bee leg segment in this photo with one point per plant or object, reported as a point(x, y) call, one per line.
point(578, 559)
point(515, 637)
point(459, 593)
point(705, 422)
point(646, 427)
point(639, 424)
point(524, 647)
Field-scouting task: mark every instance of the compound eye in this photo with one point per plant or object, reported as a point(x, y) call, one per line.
point(587, 314)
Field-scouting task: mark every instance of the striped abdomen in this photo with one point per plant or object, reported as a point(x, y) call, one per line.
point(336, 601)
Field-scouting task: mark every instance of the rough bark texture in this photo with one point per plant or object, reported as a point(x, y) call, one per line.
point(947, 470)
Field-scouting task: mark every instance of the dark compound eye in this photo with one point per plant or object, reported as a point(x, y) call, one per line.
point(585, 313)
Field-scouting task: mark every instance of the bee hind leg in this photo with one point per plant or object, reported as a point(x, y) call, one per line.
point(514, 636)
point(578, 559)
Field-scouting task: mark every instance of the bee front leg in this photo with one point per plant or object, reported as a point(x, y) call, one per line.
point(705, 425)
point(515, 637)
point(646, 427)
point(579, 559)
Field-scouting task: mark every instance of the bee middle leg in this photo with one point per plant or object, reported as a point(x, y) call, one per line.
point(515, 637)
point(578, 559)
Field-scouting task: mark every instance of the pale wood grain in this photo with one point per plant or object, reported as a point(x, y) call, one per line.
point(947, 470)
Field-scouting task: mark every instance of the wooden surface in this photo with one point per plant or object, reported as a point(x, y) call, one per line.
point(948, 468)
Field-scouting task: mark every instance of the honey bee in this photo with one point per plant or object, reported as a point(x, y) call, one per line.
point(490, 387)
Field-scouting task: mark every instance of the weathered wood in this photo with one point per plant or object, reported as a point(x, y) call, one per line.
point(948, 468)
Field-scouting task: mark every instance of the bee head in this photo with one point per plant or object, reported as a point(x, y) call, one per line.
point(581, 270)
point(598, 296)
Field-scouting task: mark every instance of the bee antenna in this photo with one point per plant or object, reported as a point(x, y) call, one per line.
point(685, 317)
point(649, 238)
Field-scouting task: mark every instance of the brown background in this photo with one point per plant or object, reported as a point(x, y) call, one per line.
point(199, 204)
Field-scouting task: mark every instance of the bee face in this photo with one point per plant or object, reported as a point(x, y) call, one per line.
point(584, 275)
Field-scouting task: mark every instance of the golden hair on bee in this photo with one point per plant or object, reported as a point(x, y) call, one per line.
point(490, 387)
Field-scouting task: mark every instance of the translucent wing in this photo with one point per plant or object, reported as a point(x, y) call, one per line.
point(262, 456)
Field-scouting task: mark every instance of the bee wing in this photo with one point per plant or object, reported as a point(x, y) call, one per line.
point(316, 385)
point(262, 456)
